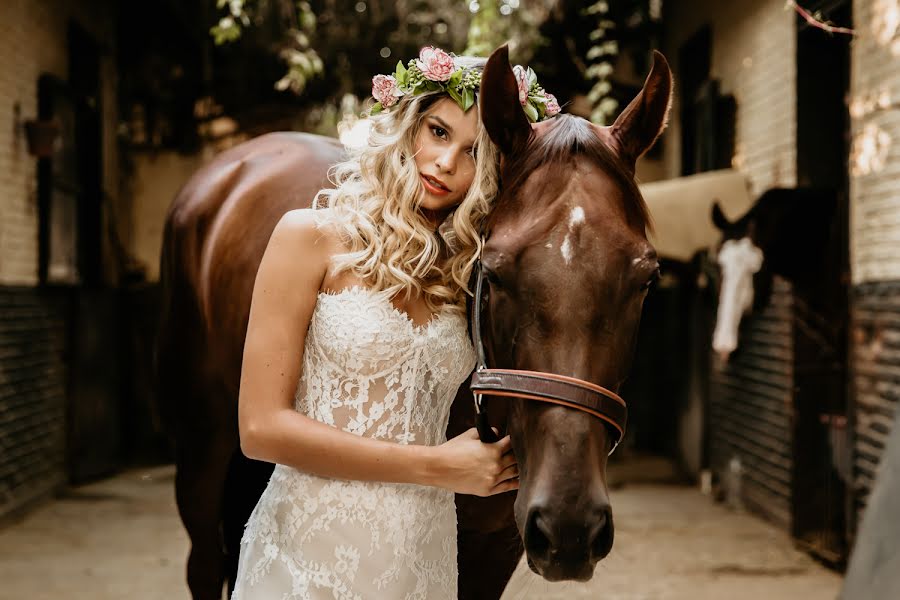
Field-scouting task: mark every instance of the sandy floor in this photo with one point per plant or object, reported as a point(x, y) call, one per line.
point(121, 538)
point(673, 543)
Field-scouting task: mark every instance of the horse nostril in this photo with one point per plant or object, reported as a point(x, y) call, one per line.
point(537, 535)
point(602, 540)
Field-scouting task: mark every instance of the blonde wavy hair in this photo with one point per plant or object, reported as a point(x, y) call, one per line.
point(375, 206)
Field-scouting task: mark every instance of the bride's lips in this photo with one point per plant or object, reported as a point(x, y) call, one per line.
point(434, 186)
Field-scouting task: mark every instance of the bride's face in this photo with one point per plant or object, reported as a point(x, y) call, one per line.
point(445, 155)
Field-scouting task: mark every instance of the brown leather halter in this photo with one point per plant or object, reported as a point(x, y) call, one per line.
point(565, 391)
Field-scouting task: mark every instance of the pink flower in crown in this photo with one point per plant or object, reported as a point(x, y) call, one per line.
point(384, 89)
point(435, 64)
point(552, 105)
point(522, 79)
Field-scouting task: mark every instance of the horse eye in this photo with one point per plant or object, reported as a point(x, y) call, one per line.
point(491, 277)
point(654, 279)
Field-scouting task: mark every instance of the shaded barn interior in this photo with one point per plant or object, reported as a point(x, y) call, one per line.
point(775, 420)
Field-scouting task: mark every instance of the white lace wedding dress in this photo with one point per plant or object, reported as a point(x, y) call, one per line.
point(369, 370)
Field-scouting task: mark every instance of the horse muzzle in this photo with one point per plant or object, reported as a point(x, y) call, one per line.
point(561, 546)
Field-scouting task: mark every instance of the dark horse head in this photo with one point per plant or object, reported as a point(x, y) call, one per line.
point(789, 232)
point(568, 264)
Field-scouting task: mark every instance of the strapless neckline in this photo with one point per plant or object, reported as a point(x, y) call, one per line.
point(362, 291)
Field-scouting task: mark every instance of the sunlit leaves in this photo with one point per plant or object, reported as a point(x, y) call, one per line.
point(303, 62)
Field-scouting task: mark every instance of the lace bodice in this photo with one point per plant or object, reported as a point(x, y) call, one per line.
point(369, 370)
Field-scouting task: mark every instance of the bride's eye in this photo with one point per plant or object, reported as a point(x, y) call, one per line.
point(439, 132)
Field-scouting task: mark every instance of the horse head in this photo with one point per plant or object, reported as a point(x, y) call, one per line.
point(568, 266)
point(740, 260)
point(794, 233)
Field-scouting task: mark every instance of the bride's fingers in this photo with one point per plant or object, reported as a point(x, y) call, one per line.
point(506, 486)
point(507, 460)
point(509, 472)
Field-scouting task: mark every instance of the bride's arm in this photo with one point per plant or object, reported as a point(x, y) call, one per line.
point(284, 297)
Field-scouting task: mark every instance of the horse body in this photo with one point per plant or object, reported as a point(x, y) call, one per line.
point(568, 241)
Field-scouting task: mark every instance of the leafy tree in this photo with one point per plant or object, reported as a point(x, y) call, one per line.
point(287, 64)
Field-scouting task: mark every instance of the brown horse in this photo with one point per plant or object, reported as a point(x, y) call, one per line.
point(568, 264)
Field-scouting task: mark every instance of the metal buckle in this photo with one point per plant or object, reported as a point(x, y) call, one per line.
point(613, 449)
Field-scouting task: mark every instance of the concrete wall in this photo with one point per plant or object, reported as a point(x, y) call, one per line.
point(151, 186)
point(33, 41)
point(754, 57)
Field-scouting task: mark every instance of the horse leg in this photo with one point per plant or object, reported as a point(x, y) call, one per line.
point(202, 464)
point(489, 545)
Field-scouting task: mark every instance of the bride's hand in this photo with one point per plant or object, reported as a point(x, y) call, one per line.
point(466, 465)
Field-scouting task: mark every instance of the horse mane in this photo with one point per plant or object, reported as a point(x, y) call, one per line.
point(567, 139)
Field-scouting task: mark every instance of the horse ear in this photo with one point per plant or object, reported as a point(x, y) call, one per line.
point(718, 217)
point(646, 116)
point(501, 112)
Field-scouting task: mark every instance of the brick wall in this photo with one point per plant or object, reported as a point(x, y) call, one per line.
point(754, 57)
point(33, 41)
point(32, 395)
point(35, 322)
point(874, 236)
point(875, 187)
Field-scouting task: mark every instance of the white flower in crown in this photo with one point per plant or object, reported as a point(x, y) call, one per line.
point(435, 64)
point(552, 108)
point(522, 80)
point(385, 90)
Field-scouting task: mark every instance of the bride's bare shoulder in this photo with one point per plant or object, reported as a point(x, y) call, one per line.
point(301, 247)
point(307, 229)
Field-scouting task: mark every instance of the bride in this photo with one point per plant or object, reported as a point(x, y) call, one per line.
point(362, 301)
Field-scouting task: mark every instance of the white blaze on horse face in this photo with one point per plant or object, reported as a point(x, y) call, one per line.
point(576, 218)
point(566, 249)
point(739, 260)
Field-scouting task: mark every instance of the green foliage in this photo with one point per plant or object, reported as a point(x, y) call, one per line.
point(485, 29)
point(623, 26)
point(516, 22)
point(303, 62)
point(229, 27)
point(601, 56)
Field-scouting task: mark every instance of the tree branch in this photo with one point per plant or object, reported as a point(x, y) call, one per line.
point(815, 22)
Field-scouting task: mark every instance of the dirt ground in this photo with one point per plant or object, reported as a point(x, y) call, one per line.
point(121, 538)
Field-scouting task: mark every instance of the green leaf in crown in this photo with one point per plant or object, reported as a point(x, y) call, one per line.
point(401, 75)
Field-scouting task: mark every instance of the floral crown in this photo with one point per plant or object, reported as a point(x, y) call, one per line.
point(435, 71)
